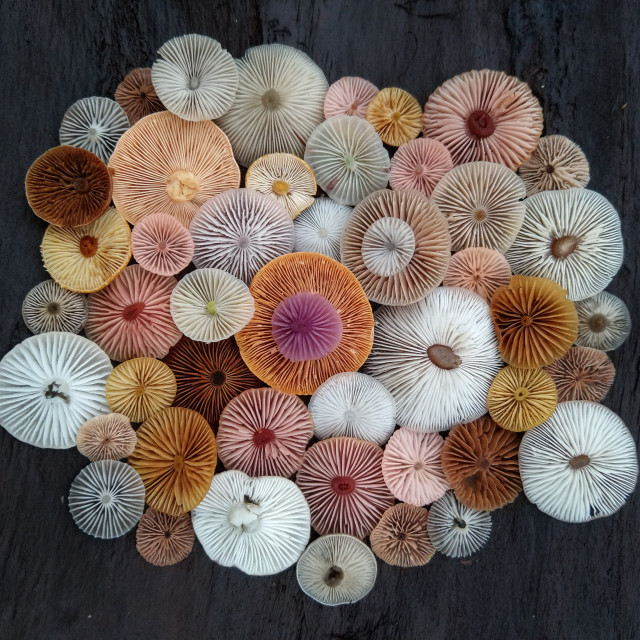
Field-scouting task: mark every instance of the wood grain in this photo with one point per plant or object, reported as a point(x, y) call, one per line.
point(537, 578)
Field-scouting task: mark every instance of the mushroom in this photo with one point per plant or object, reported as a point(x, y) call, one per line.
point(259, 525)
point(95, 124)
point(337, 569)
point(50, 385)
point(175, 456)
point(397, 244)
point(455, 530)
point(347, 158)
point(604, 322)
point(349, 96)
point(580, 464)
point(437, 357)
point(49, 307)
point(106, 499)
point(520, 399)
point(185, 164)
point(208, 375)
point(556, 163)
point(161, 245)
point(355, 405)
point(130, 318)
point(140, 387)
point(411, 467)
point(312, 320)
point(572, 237)
point(68, 187)
point(278, 104)
point(286, 178)
point(483, 204)
point(210, 305)
point(86, 259)
point(195, 78)
point(484, 115)
point(106, 437)
point(395, 115)
point(341, 479)
point(137, 95)
point(264, 432)
point(164, 540)
point(239, 231)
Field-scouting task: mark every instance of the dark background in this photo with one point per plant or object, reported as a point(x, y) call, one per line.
point(537, 578)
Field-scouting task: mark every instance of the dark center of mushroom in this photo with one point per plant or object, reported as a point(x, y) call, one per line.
point(343, 485)
point(550, 168)
point(334, 576)
point(146, 91)
point(460, 523)
point(479, 215)
point(218, 378)
point(161, 246)
point(54, 390)
point(401, 535)
point(194, 83)
point(280, 187)
point(81, 185)
point(88, 246)
point(131, 312)
point(520, 394)
point(262, 437)
point(483, 463)
point(577, 462)
point(178, 463)
point(182, 186)
point(106, 440)
point(480, 124)
point(598, 322)
point(419, 465)
point(53, 308)
point(563, 247)
point(167, 534)
point(418, 170)
point(443, 357)
point(354, 107)
point(526, 321)
point(271, 99)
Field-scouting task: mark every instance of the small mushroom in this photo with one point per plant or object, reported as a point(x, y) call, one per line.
point(106, 437)
point(49, 307)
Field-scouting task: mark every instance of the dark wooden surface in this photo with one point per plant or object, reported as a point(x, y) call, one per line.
point(537, 578)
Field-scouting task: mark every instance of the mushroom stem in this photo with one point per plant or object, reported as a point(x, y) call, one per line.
point(579, 461)
point(480, 124)
point(334, 576)
point(443, 357)
point(598, 322)
point(563, 247)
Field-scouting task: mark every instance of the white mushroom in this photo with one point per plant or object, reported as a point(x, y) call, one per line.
point(604, 322)
point(49, 307)
point(319, 228)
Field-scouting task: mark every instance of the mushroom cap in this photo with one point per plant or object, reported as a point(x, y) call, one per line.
point(278, 104)
point(478, 269)
point(412, 468)
point(211, 305)
point(68, 187)
point(49, 307)
point(106, 499)
point(95, 124)
point(604, 322)
point(341, 478)
point(556, 163)
point(401, 537)
point(347, 158)
point(520, 399)
point(163, 540)
point(140, 387)
point(419, 164)
point(208, 375)
point(294, 289)
point(349, 96)
point(534, 321)
point(395, 115)
point(455, 530)
point(51, 384)
point(397, 244)
point(106, 437)
point(484, 115)
point(480, 461)
point(259, 525)
point(161, 244)
point(86, 259)
point(264, 432)
point(582, 374)
point(130, 318)
point(483, 204)
point(175, 456)
point(185, 164)
point(137, 95)
point(572, 237)
point(239, 231)
point(319, 228)
point(337, 569)
point(195, 78)
point(284, 177)
point(579, 465)
point(437, 357)
point(355, 405)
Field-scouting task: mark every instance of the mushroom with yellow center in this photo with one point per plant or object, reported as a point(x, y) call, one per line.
point(395, 115)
